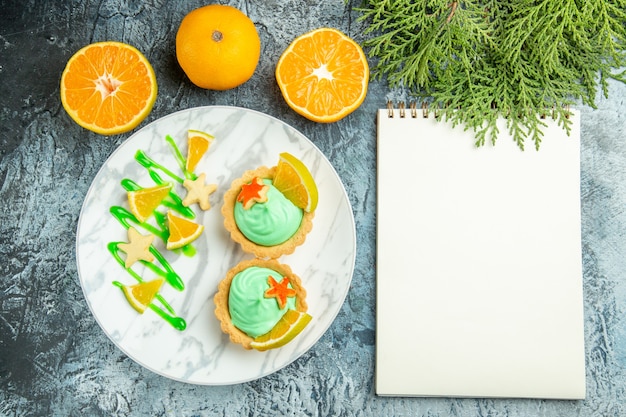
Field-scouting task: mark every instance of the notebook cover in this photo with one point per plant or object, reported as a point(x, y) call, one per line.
point(479, 269)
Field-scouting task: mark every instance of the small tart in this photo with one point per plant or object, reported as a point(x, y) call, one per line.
point(271, 252)
point(221, 297)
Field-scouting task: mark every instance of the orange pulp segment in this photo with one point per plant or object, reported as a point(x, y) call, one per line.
point(140, 295)
point(108, 87)
point(182, 231)
point(288, 327)
point(197, 144)
point(323, 75)
point(144, 201)
point(294, 180)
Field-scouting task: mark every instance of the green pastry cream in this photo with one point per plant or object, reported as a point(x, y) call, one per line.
point(270, 223)
point(250, 311)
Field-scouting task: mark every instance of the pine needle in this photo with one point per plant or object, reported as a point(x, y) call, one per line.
point(519, 59)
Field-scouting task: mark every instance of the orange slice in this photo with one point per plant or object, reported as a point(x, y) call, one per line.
point(197, 144)
point(293, 179)
point(182, 231)
point(289, 326)
point(323, 75)
point(108, 87)
point(140, 295)
point(143, 202)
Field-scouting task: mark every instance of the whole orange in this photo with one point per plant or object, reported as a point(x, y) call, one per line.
point(218, 47)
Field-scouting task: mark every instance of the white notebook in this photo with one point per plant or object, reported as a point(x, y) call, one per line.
point(479, 269)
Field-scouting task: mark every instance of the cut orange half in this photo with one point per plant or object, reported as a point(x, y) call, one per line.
point(108, 87)
point(323, 75)
point(294, 180)
point(141, 295)
point(289, 326)
point(197, 145)
point(182, 231)
point(144, 201)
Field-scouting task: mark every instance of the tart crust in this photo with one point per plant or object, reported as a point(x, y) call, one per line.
point(221, 297)
point(268, 252)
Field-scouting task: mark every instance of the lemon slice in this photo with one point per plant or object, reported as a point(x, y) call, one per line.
point(140, 295)
point(288, 327)
point(294, 180)
point(198, 143)
point(182, 231)
point(144, 201)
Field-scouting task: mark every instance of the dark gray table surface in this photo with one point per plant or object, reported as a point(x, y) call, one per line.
point(55, 359)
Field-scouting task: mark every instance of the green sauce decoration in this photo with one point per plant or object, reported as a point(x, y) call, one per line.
point(160, 266)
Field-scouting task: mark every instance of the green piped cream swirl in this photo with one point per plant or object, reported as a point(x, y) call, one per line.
point(270, 223)
point(249, 310)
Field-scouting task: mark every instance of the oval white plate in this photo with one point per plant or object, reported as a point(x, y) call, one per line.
point(202, 354)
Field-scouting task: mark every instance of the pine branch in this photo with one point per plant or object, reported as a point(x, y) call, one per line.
point(519, 59)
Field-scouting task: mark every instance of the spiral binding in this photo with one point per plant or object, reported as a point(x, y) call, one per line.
point(414, 113)
point(413, 110)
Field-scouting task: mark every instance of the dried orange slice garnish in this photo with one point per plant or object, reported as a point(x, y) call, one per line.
point(323, 75)
point(294, 180)
point(144, 201)
point(140, 295)
point(197, 145)
point(108, 87)
point(289, 326)
point(182, 231)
